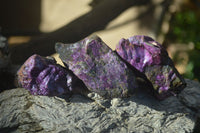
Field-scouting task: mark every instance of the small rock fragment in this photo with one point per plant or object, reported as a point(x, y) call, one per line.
point(42, 76)
point(98, 67)
point(150, 58)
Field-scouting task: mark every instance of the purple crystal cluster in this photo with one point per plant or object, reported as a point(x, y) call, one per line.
point(150, 58)
point(92, 63)
point(42, 76)
point(100, 68)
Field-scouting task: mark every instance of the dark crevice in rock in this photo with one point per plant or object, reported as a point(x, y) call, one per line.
point(109, 128)
point(9, 129)
point(7, 80)
point(197, 126)
point(78, 98)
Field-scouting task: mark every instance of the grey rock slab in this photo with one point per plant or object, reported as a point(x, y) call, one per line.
point(22, 112)
point(191, 95)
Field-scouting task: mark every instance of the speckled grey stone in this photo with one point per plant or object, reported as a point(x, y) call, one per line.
point(100, 69)
point(23, 112)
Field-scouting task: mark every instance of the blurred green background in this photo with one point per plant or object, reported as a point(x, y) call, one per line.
point(185, 30)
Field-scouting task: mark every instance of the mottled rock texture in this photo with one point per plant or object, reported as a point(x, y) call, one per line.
point(42, 76)
point(98, 67)
point(150, 58)
point(21, 112)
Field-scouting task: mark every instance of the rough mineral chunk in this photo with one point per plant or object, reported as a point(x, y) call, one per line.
point(42, 76)
point(150, 58)
point(98, 67)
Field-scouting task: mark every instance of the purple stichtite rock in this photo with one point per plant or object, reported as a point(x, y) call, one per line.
point(98, 67)
point(150, 58)
point(42, 76)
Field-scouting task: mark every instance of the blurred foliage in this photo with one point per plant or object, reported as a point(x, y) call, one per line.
point(185, 29)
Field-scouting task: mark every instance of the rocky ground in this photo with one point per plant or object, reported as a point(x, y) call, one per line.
point(22, 112)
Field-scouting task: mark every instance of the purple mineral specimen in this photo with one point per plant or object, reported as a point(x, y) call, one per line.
point(42, 76)
point(98, 67)
point(150, 58)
